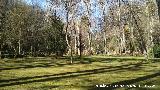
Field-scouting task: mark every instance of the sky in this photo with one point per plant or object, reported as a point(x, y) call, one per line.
point(95, 16)
point(42, 3)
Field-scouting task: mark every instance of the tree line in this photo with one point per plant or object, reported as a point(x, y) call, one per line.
point(80, 27)
point(29, 30)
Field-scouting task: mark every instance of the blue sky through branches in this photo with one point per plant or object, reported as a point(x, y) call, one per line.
point(41, 3)
point(96, 15)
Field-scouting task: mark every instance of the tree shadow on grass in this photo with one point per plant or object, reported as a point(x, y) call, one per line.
point(21, 64)
point(110, 59)
point(45, 87)
point(120, 59)
point(24, 66)
point(26, 80)
point(125, 83)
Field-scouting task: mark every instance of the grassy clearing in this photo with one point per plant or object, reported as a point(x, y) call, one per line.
point(58, 74)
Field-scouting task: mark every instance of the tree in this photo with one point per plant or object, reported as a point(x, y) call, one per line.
point(26, 32)
point(158, 4)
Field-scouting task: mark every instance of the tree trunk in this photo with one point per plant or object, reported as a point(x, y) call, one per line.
point(19, 42)
point(66, 28)
point(75, 44)
point(131, 31)
point(66, 36)
point(149, 32)
point(90, 42)
point(80, 42)
point(71, 46)
point(105, 43)
point(158, 4)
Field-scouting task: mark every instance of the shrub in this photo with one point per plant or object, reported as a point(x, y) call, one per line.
point(156, 51)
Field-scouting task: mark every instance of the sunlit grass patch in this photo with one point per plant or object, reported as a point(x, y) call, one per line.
point(46, 73)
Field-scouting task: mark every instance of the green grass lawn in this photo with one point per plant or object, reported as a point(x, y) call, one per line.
point(58, 74)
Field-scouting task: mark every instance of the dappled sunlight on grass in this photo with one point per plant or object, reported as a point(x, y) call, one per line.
point(47, 73)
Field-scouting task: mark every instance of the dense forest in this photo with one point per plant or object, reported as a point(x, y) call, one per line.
point(79, 28)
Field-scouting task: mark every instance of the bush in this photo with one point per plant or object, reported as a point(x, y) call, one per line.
point(156, 51)
point(19, 56)
point(5, 54)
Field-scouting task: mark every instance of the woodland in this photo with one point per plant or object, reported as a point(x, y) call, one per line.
point(79, 27)
point(79, 44)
